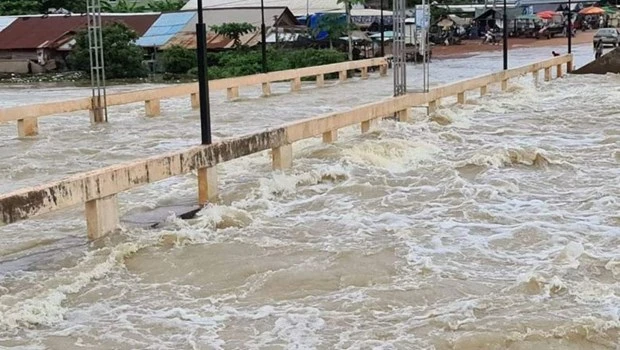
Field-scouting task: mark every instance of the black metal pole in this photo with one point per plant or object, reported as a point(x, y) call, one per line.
point(203, 85)
point(382, 29)
point(505, 38)
point(570, 29)
point(263, 35)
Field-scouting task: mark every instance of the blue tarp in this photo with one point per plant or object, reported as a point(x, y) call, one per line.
point(164, 28)
point(315, 20)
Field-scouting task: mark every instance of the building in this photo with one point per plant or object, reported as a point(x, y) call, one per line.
point(297, 7)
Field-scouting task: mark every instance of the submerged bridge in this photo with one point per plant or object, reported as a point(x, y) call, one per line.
point(97, 190)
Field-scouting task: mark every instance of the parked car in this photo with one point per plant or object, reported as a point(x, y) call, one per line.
point(610, 36)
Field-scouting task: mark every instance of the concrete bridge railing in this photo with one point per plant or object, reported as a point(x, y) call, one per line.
point(27, 116)
point(98, 189)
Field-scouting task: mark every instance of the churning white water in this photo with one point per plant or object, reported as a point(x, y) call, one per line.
point(489, 225)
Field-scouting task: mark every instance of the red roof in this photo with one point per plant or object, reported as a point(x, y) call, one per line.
point(33, 32)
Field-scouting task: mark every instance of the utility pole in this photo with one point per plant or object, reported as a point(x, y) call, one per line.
point(203, 84)
point(382, 28)
point(505, 38)
point(398, 49)
point(569, 29)
point(99, 108)
point(263, 35)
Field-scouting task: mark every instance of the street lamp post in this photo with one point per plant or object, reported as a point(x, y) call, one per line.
point(505, 38)
point(203, 86)
point(382, 29)
point(263, 35)
point(569, 29)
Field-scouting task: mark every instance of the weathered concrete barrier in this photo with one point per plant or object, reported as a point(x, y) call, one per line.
point(26, 116)
point(608, 63)
point(98, 189)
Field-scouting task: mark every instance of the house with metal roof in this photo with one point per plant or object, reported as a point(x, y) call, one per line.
point(165, 28)
point(297, 7)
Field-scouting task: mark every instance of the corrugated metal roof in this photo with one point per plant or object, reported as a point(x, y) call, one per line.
point(298, 7)
point(6, 21)
point(166, 26)
point(251, 15)
point(30, 32)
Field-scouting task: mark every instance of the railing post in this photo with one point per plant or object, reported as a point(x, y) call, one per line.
point(383, 69)
point(559, 70)
point(296, 84)
point(535, 76)
point(282, 157)
point(342, 75)
point(195, 100)
point(27, 127)
point(504, 84)
point(232, 93)
point(364, 73)
point(152, 108)
point(96, 112)
point(483, 90)
point(432, 106)
point(460, 97)
point(547, 73)
point(266, 89)
point(404, 115)
point(366, 125)
point(207, 185)
point(569, 66)
point(330, 136)
point(320, 80)
point(101, 216)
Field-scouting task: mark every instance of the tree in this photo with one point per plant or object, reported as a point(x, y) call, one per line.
point(122, 57)
point(334, 25)
point(347, 6)
point(233, 31)
point(179, 60)
point(122, 6)
point(77, 6)
point(166, 5)
point(18, 7)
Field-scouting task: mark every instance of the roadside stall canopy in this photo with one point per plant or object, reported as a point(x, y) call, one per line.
point(546, 14)
point(592, 11)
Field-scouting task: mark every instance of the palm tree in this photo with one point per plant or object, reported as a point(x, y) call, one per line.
point(121, 6)
point(347, 6)
point(166, 5)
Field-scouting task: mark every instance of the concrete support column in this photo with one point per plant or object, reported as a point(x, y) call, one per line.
point(535, 76)
point(504, 84)
point(195, 100)
point(364, 73)
point(483, 90)
point(152, 107)
point(296, 84)
point(320, 80)
point(266, 89)
point(404, 115)
point(559, 71)
point(207, 185)
point(342, 75)
point(569, 67)
point(548, 74)
point(330, 136)
point(460, 97)
point(282, 157)
point(383, 70)
point(96, 113)
point(27, 127)
point(101, 216)
point(366, 125)
point(432, 106)
point(232, 93)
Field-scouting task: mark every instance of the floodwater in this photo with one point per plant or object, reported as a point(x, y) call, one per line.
point(492, 225)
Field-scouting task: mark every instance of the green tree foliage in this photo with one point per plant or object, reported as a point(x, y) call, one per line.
point(76, 6)
point(123, 58)
point(347, 5)
point(333, 25)
point(166, 5)
point(234, 31)
point(179, 60)
point(19, 7)
point(122, 6)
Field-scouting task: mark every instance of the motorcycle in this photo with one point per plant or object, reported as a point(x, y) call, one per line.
point(489, 38)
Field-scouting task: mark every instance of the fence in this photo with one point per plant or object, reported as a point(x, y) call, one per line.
point(27, 116)
point(98, 189)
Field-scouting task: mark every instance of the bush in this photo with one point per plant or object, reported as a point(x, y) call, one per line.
point(179, 60)
point(123, 58)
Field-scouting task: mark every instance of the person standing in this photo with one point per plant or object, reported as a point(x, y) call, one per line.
point(598, 49)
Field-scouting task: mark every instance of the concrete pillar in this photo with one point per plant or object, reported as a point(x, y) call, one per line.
point(27, 127)
point(367, 125)
point(266, 89)
point(535, 76)
point(559, 71)
point(483, 90)
point(101, 216)
point(404, 115)
point(383, 70)
point(330, 136)
point(232, 93)
point(432, 107)
point(296, 84)
point(152, 107)
point(364, 72)
point(569, 67)
point(547, 73)
point(96, 114)
point(195, 100)
point(282, 157)
point(207, 185)
point(460, 97)
point(342, 75)
point(504, 84)
point(320, 80)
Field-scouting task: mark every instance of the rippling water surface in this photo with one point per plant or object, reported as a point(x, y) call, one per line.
point(491, 225)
